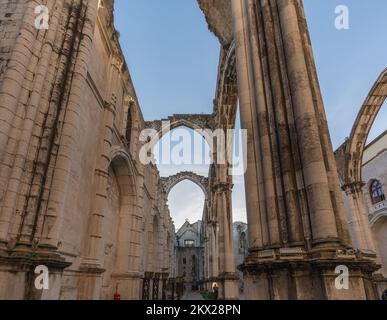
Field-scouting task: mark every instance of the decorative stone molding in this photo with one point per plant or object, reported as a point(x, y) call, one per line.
point(192, 121)
point(227, 88)
point(291, 253)
point(349, 157)
point(373, 218)
point(222, 187)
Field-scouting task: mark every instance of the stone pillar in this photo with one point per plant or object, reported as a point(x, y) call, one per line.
point(363, 239)
point(257, 231)
point(228, 276)
point(54, 216)
point(16, 72)
point(206, 242)
point(213, 252)
point(305, 115)
point(297, 219)
point(13, 98)
point(92, 263)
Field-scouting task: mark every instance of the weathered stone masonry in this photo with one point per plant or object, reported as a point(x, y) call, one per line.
point(75, 197)
point(64, 147)
point(297, 227)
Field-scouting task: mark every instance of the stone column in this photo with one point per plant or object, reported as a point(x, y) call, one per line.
point(71, 122)
point(291, 182)
point(228, 277)
point(311, 151)
point(213, 251)
point(258, 233)
point(363, 239)
point(28, 111)
point(16, 72)
point(92, 260)
point(206, 244)
point(14, 153)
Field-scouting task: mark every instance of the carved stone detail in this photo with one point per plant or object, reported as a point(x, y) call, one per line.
point(193, 121)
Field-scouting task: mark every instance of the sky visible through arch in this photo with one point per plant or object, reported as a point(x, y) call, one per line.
point(173, 58)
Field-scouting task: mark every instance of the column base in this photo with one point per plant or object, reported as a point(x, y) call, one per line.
point(128, 283)
point(380, 283)
point(90, 281)
point(228, 286)
point(308, 276)
point(17, 273)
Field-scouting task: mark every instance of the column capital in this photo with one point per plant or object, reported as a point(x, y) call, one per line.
point(353, 187)
point(221, 187)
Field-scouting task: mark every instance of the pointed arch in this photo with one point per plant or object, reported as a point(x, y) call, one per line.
point(200, 181)
point(352, 159)
point(118, 252)
point(124, 168)
point(200, 123)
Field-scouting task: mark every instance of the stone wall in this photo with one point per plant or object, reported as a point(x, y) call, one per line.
point(11, 14)
point(74, 195)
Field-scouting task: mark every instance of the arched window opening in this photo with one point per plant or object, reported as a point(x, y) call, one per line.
point(376, 192)
point(182, 149)
point(186, 200)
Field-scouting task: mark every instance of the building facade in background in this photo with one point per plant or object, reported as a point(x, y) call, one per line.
point(374, 174)
point(190, 255)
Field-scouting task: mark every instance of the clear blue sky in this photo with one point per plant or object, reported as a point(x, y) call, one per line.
point(171, 55)
point(173, 61)
point(348, 61)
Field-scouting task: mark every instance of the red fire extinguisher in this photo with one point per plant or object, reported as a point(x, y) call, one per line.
point(117, 296)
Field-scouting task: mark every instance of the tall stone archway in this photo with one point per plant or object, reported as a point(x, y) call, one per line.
point(108, 249)
point(350, 160)
point(203, 124)
point(172, 181)
point(218, 207)
point(354, 146)
point(218, 226)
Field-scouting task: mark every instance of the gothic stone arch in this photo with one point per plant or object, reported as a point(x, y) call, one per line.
point(349, 158)
point(120, 170)
point(171, 181)
point(227, 89)
point(199, 122)
point(353, 149)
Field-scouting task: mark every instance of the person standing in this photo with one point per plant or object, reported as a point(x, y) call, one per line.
point(215, 290)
